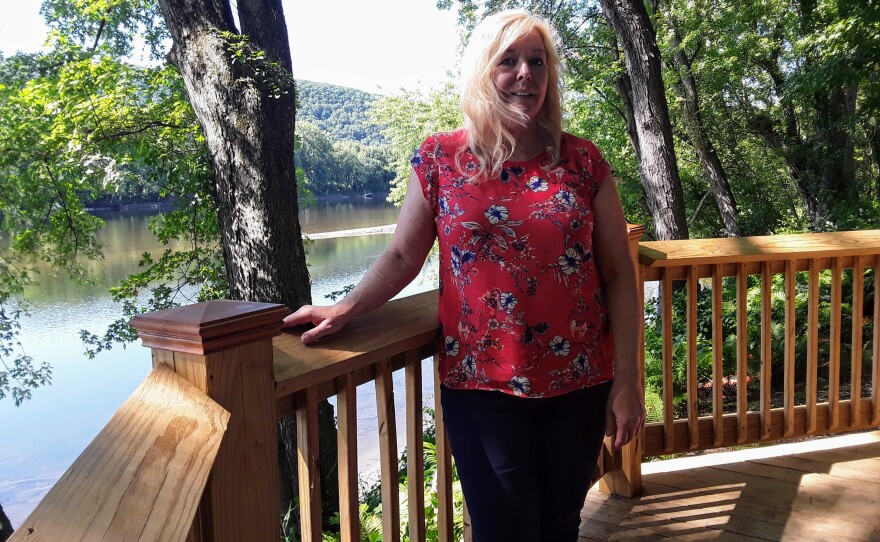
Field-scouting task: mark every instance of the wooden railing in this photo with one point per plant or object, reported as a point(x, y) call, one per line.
point(235, 354)
point(397, 336)
point(770, 266)
point(142, 477)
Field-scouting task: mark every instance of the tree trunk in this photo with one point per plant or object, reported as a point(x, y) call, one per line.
point(798, 157)
point(834, 110)
point(874, 139)
point(6, 529)
point(245, 104)
point(658, 166)
point(693, 118)
point(624, 90)
point(249, 135)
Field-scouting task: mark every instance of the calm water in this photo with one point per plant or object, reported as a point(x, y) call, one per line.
point(43, 436)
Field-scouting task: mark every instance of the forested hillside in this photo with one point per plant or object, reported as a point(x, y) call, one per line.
point(339, 112)
point(339, 148)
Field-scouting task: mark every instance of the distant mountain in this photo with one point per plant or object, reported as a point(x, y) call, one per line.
point(340, 112)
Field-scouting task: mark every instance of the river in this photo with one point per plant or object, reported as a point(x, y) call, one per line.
point(43, 436)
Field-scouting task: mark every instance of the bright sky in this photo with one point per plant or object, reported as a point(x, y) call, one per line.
point(376, 46)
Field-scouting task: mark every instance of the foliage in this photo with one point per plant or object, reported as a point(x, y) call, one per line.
point(18, 376)
point(265, 73)
point(339, 294)
point(81, 126)
point(339, 112)
point(78, 125)
point(792, 113)
point(84, 127)
point(409, 118)
point(788, 93)
point(653, 406)
point(333, 167)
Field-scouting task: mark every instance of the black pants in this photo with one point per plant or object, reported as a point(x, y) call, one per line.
point(525, 464)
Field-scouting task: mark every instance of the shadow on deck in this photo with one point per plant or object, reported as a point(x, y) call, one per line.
point(815, 490)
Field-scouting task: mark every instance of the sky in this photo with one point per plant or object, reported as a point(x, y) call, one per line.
point(378, 46)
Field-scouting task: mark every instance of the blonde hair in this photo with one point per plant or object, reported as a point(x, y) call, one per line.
point(485, 112)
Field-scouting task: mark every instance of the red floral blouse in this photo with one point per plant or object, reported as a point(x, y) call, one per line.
point(521, 302)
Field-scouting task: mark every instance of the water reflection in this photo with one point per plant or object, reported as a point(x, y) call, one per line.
point(347, 215)
point(43, 437)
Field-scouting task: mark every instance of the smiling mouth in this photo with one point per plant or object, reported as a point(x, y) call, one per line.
point(520, 94)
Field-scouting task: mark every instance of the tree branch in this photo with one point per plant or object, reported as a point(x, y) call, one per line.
point(98, 35)
point(137, 130)
point(697, 210)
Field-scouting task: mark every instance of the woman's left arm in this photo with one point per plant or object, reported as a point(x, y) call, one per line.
point(626, 403)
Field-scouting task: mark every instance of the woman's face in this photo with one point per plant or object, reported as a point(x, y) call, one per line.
point(521, 75)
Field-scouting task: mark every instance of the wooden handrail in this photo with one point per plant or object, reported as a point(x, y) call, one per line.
point(761, 258)
point(235, 354)
point(398, 326)
point(769, 248)
point(142, 477)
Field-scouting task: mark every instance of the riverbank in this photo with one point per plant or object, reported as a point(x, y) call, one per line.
point(335, 198)
point(167, 204)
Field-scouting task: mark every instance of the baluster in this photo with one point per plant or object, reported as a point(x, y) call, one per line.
point(855, 386)
point(717, 355)
point(388, 452)
point(640, 287)
point(834, 355)
point(788, 371)
point(444, 464)
point(666, 299)
point(875, 372)
point(346, 429)
point(307, 459)
point(692, 402)
point(766, 347)
point(415, 458)
point(742, 352)
point(812, 345)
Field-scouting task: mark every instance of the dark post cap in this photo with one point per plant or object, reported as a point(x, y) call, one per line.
point(210, 326)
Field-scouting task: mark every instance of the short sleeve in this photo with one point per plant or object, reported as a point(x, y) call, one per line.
point(594, 167)
point(425, 166)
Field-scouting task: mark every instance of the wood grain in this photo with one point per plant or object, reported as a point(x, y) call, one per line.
point(415, 453)
point(392, 329)
point(717, 353)
point(444, 465)
point(142, 477)
point(693, 412)
point(812, 345)
point(766, 351)
point(759, 248)
point(346, 431)
point(742, 350)
point(801, 491)
point(387, 429)
point(307, 462)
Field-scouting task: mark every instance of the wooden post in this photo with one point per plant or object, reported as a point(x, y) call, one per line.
point(224, 348)
point(624, 475)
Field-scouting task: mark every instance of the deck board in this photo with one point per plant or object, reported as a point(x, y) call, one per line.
point(823, 489)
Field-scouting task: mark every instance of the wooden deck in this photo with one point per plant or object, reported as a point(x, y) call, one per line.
point(817, 490)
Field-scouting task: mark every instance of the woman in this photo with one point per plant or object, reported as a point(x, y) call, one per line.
point(537, 365)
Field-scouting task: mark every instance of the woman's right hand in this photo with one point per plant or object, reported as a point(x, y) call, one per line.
point(326, 320)
point(394, 269)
